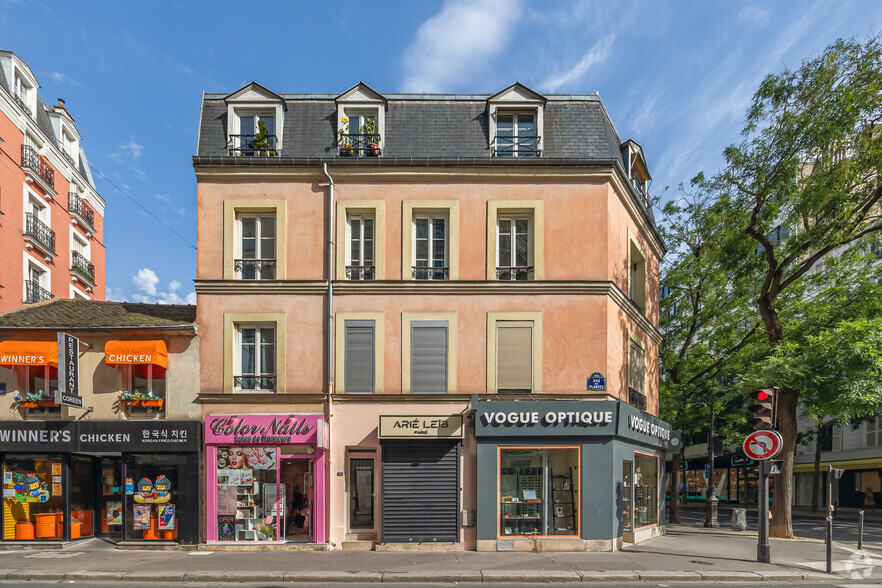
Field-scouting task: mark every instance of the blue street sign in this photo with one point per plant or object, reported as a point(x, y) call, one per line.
point(707, 471)
point(596, 382)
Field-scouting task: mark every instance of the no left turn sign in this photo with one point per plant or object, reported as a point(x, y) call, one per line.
point(762, 445)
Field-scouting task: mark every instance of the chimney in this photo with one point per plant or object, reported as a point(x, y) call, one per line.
point(60, 103)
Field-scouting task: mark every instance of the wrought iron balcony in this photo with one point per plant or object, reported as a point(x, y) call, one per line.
point(82, 265)
point(640, 186)
point(521, 146)
point(421, 272)
point(77, 206)
point(34, 293)
point(255, 382)
point(31, 160)
point(19, 99)
point(255, 269)
point(251, 146)
point(68, 157)
point(515, 272)
point(359, 145)
point(39, 233)
point(359, 272)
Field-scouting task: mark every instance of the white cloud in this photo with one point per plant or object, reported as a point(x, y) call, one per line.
point(164, 197)
point(450, 47)
point(133, 149)
point(755, 16)
point(60, 78)
point(146, 280)
point(598, 54)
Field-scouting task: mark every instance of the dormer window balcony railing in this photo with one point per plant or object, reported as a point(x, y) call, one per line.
point(81, 211)
point(19, 99)
point(359, 145)
point(359, 272)
point(422, 272)
point(38, 233)
point(80, 264)
point(520, 146)
point(38, 167)
point(255, 269)
point(640, 186)
point(252, 146)
point(514, 273)
point(255, 382)
point(34, 293)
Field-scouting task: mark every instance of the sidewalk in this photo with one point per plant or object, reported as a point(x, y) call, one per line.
point(687, 553)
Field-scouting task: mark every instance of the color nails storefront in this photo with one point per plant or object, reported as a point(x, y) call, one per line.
point(567, 475)
point(266, 478)
point(119, 480)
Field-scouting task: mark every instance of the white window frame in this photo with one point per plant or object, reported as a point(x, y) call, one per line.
point(514, 113)
point(360, 218)
point(512, 218)
point(431, 217)
point(258, 373)
point(873, 427)
point(240, 235)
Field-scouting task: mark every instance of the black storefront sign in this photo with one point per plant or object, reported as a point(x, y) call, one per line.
point(69, 371)
point(100, 436)
point(549, 418)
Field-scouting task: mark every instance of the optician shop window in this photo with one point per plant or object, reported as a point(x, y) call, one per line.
point(539, 491)
point(645, 489)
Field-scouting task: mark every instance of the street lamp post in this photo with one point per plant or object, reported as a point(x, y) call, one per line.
point(711, 505)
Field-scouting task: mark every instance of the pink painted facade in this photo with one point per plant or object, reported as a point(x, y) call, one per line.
point(590, 301)
point(52, 228)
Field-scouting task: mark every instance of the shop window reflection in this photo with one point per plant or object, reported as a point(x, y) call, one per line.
point(645, 489)
point(32, 502)
point(539, 491)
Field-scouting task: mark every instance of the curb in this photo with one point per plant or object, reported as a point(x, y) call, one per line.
point(424, 576)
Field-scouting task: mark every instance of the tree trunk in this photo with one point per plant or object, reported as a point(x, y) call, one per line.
point(782, 524)
point(816, 472)
point(674, 511)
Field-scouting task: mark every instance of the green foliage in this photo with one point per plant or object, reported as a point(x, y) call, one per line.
point(262, 141)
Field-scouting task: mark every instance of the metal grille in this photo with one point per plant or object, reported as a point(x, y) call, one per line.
point(34, 293)
point(359, 145)
point(82, 265)
point(256, 269)
point(39, 231)
point(262, 382)
point(76, 205)
point(420, 491)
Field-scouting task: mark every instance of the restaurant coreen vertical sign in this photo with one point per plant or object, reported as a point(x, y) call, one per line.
point(69, 371)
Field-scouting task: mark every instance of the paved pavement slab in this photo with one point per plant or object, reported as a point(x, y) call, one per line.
point(93, 576)
point(667, 576)
point(531, 576)
point(610, 576)
point(333, 576)
point(731, 576)
point(425, 576)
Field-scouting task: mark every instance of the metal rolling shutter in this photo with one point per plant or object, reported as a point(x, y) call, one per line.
point(428, 357)
point(359, 358)
point(420, 500)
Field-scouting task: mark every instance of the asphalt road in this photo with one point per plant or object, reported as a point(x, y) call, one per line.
point(458, 585)
point(844, 531)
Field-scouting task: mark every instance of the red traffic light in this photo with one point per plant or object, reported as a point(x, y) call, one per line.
point(763, 395)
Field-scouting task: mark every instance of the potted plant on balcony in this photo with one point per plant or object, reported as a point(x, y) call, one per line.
point(34, 399)
point(345, 141)
point(262, 142)
point(369, 130)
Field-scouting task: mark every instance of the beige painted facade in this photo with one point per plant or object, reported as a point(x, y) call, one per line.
point(101, 385)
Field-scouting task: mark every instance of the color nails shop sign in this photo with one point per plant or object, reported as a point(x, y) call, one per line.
point(262, 429)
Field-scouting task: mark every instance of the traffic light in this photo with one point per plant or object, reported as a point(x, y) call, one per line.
point(763, 408)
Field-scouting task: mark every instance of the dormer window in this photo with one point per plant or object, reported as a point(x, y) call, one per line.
point(21, 91)
point(516, 117)
point(361, 122)
point(635, 167)
point(254, 122)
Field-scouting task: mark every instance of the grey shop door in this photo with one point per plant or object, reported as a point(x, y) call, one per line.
point(420, 500)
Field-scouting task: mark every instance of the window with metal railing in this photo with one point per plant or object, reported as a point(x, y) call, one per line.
point(257, 358)
point(76, 205)
point(36, 293)
point(256, 259)
point(80, 263)
point(37, 229)
point(360, 253)
point(516, 135)
point(430, 247)
point(256, 137)
point(514, 248)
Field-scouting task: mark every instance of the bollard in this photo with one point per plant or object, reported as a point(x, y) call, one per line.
point(860, 529)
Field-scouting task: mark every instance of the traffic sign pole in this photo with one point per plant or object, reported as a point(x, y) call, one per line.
point(763, 549)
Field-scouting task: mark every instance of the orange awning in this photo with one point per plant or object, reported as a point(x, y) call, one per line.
point(136, 353)
point(28, 353)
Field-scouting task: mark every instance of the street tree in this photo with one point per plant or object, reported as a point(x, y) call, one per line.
point(703, 323)
point(803, 183)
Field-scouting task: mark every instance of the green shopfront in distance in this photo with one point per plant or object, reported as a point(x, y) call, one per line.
point(568, 475)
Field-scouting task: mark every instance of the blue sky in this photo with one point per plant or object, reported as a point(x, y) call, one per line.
point(675, 76)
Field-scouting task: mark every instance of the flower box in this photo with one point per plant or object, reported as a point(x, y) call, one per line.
point(37, 403)
point(149, 402)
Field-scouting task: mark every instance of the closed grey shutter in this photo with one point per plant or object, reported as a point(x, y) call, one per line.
point(428, 357)
point(420, 491)
point(637, 368)
point(359, 358)
point(514, 356)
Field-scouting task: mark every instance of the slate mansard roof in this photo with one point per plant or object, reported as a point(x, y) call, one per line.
point(424, 129)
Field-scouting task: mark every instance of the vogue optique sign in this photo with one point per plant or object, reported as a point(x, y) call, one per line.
point(501, 418)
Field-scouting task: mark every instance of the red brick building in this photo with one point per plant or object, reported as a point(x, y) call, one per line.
point(51, 215)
